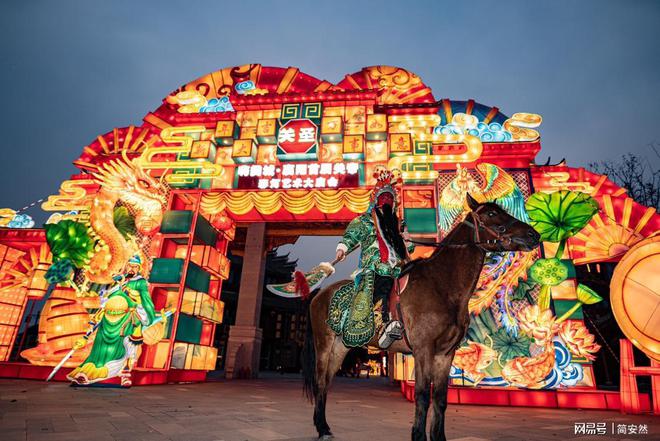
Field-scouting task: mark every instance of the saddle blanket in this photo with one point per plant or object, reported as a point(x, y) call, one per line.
point(355, 317)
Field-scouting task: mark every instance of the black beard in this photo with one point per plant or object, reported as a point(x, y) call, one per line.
point(389, 225)
point(130, 275)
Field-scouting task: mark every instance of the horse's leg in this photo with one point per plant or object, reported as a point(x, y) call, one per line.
point(336, 356)
point(320, 422)
point(324, 339)
point(323, 354)
point(423, 366)
point(441, 367)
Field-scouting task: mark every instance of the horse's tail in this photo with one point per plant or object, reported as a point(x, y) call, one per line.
point(310, 383)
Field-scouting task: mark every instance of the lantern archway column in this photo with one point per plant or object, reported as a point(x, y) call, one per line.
point(244, 344)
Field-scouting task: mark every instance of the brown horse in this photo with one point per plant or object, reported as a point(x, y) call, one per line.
point(434, 307)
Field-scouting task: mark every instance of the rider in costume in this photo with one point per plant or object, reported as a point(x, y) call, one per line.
point(125, 311)
point(378, 233)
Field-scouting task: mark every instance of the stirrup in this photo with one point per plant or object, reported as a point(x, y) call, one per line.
point(393, 331)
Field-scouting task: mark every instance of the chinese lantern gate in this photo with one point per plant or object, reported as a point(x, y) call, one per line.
point(276, 154)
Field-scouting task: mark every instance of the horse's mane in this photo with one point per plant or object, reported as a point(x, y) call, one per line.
point(439, 246)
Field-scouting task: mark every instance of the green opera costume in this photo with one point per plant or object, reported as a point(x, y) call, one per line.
point(119, 333)
point(351, 312)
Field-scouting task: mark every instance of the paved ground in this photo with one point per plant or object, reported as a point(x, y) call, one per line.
point(266, 409)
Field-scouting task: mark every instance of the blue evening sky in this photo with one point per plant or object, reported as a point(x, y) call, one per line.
point(75, 69)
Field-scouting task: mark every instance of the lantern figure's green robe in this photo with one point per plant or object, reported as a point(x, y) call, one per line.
point(351, 312)
point(119, 333)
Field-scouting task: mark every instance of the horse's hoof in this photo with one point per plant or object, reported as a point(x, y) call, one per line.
point(326, 437)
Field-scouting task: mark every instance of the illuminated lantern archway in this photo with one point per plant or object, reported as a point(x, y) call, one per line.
point(253, 145)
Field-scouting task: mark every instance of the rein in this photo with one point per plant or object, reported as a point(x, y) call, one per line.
point(477, 225)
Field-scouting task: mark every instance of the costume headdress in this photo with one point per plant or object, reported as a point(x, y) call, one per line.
point(387, 234)
point(387, 181)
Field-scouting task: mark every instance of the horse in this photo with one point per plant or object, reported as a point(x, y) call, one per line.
point(433, 308)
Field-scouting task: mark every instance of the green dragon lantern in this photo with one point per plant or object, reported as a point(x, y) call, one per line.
point(72, 247)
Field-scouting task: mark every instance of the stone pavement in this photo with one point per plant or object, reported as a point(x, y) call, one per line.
point(267, 409)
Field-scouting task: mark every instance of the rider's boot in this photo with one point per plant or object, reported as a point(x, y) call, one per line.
point(393, 330)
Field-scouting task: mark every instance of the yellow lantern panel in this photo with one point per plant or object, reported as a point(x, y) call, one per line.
point(249, 133)
point(355, 115)
point(201, 150)
point(353, 144)
point(267, 131)
point(249, 118)
point(400, 143)
point(244, 151)
point(266, 154)
point(329, 152)
point(376, 151)
point(223, 156)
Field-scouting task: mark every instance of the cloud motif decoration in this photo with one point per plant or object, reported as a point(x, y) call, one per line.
point(565, 373)
point(457, 374)
point(244, 87)
point(21, 221)
point(493, 132)
point(217, 105)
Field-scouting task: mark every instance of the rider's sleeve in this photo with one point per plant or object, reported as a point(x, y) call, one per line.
point(353, 236)
point(411, 247)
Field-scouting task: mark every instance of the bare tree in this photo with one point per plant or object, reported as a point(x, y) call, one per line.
point(636, 175)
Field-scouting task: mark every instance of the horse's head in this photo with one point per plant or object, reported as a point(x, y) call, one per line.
point(496, 230)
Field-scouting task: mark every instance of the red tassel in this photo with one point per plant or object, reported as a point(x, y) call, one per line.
point(302, 287)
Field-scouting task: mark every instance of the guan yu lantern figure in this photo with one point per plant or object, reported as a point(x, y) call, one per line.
point(126, 314)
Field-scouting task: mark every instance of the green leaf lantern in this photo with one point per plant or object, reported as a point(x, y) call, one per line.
point(560, 215)
point(585, 296)
point(510, 346)
point(69, 240)
point(59, 271)
point(550, 272)
point(547, 273)
point(557, 216)
point(124, 221)
point(523, 290)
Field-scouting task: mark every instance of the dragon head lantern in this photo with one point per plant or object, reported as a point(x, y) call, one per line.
point(136, 189)
point(122, 181)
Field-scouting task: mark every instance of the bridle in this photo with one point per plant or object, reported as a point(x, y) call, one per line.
point(477, 226)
